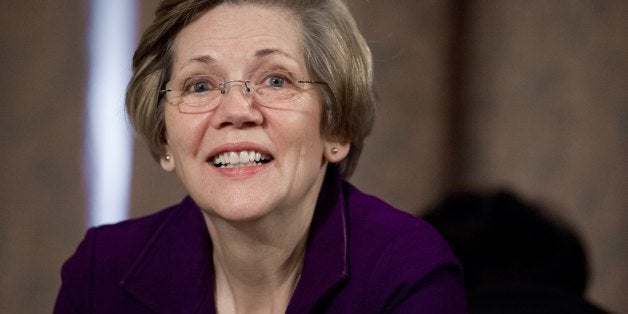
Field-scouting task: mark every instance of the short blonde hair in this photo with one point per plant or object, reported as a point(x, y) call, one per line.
point(334, 51)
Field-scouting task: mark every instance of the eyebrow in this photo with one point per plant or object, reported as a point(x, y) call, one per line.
point(202, 59)
point(270, 51)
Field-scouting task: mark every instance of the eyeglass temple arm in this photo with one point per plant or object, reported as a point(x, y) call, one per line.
point(313, 82)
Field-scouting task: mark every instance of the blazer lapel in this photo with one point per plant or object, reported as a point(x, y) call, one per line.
point(175, 274)
point(326, 260)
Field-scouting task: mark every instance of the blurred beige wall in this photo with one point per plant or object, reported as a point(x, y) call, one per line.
point(545, 100)
point(530, 95)
point(42, 214)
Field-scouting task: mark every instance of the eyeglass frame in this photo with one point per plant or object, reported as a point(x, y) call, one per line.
point(224, 89)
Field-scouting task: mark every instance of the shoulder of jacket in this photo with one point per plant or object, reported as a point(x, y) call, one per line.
point(123, 240)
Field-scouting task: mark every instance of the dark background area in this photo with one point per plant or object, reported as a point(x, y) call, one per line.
point(529, 95)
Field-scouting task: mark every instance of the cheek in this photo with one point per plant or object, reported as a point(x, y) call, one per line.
point(304, 131)
point(183, 132)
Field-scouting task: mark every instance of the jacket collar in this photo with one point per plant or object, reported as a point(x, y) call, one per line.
point(175, 273)
point(326, 263)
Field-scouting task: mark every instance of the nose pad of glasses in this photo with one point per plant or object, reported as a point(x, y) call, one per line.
point(245, 87)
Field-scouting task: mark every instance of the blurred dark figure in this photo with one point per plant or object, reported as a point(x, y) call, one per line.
point(515, 259)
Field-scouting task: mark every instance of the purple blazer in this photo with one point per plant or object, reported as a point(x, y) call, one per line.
point(363, 256)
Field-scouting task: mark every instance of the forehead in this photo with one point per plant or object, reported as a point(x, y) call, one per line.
point(238, 33)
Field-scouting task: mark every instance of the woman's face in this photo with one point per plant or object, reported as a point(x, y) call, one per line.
point(232, 41)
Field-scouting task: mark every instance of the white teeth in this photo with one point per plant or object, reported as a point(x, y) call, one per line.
point(239, 159)
point(234, 158)
point(244, 157)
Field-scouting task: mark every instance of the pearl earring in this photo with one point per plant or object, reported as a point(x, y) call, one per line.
point(334, 151)
point(167, 157)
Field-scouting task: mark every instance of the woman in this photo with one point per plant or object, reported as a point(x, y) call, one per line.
point(260, 108)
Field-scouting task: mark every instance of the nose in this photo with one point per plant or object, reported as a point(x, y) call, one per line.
point(236, 108)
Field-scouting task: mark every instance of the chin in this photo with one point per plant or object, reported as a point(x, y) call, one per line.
point(238, 211)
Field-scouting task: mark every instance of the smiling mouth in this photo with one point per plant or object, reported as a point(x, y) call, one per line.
point(240, 159)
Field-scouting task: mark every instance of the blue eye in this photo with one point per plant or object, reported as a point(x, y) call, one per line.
point(199, 84)
point(276, 81)
point(200, 87)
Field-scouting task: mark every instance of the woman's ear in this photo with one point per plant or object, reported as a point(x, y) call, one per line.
point(336, 151)
point(167, 160)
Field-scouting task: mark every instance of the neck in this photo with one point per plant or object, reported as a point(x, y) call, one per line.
point(258, 263)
